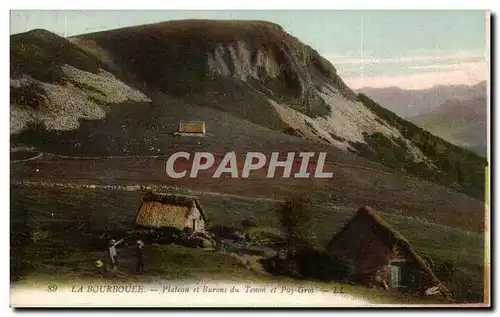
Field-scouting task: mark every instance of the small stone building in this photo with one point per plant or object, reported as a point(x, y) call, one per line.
point(164, 210)
point(383, 257)
point(192, 128)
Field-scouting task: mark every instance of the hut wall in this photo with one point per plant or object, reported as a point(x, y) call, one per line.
point(192, 127)
point(371, 245)
point(196, 216)
point(369, 253)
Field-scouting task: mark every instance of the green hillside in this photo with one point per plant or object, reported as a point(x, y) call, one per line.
point(454, 166)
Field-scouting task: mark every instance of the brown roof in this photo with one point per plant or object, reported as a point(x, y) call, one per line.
point(392, 237)
point(166, 210)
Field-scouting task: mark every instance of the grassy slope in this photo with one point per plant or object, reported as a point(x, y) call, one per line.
point(129, 129)
point(91, 210)
point(471, 136)
point(350, 186)
point(462, 122)
point(176, 263)
point(456, 167)
point(39, 53)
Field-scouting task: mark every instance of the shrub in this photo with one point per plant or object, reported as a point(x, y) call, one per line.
point(310, 263)
point(317, 107)
point(31, 95)
point(296, 222)
point(169, 231)
point(188, 231)
point(248, 223)
point(429, 261)
point(292, 131)
point(40, 235)
point(318, 264)
point(446, 270)
point(224, 231)
point(336, 137)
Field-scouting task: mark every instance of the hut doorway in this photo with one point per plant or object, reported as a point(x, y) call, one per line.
point(397, 269)
point(194, 224)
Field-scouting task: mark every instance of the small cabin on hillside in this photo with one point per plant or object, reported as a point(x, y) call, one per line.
point(382, 256)
point(192, 128)
point(164, 210)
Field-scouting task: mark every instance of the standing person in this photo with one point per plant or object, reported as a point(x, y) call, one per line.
point(218, 243)
point(112, 252)
point(139, 255)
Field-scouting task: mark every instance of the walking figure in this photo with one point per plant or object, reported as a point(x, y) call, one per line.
point(112, 252)
point(139, 254)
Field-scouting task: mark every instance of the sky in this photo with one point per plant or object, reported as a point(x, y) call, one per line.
point(407, 49)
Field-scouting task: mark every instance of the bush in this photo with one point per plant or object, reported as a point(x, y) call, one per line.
point(248, 223)
point(267, 237)
point(429, 261)
point(188, 231)
point(224, 231)
point(192, 242)
point(446, 271)
point(310, 263)
point(292, 131)
point(40, 235)
point(318, 264)
point(459, 283)
point(317, 107)
point(166, 235)
point(296, 222)
point(32, 95)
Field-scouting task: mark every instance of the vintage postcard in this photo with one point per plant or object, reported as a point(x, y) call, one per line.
point(249, 158)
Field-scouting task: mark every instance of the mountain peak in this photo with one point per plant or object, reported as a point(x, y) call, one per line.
point(191, 54)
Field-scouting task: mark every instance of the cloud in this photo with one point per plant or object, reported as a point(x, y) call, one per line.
point(437, 66)
point(468, 74)
point(419, 71)
point(434, 56)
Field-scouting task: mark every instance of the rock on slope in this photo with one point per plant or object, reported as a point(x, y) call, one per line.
point(56, 84)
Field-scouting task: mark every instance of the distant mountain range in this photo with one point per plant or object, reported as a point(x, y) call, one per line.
point(462, 122)
point(410, 103)
point(456, 113)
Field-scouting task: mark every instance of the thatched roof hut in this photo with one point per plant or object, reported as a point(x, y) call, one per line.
point(381, 255)
point(165, 210)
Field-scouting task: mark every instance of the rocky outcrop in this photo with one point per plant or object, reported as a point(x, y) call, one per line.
point(55, 84)
point(190, 56)
point(61, 106)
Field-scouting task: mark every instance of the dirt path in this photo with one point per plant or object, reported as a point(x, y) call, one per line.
point(328, 164)
point(40, 155)
point(151, 187)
